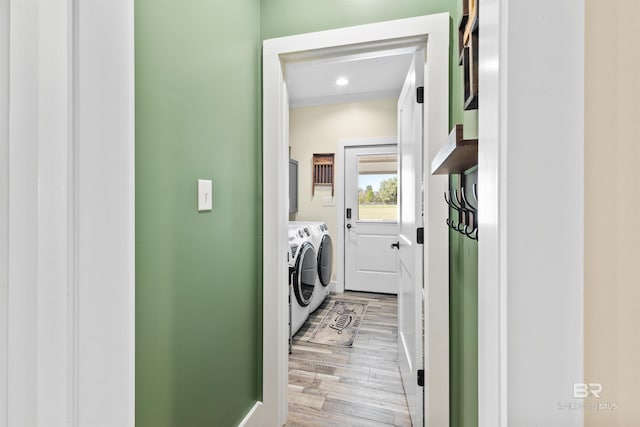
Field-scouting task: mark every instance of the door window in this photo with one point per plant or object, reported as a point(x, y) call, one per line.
point(378, 187)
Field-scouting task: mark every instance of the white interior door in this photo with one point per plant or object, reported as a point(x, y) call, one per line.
point(371, 218)
point(410, 264)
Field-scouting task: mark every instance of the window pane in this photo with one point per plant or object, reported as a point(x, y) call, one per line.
point(378, 187)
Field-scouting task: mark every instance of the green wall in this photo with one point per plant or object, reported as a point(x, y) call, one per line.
point(463, 318)
point(463, 287)
point(198, 275)
point(287, 17)
point(198, 279)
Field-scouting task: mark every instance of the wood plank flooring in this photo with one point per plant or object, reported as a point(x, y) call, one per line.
point(356, 387)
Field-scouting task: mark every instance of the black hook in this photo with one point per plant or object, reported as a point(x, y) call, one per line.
point(455, 193)
point(451, 205)
point(475, 193)
point(466, 202)
point(472, 212)
point(467, 223)
point(458, 208)
point(450, 201)
point(462, 201)
point(471, 235)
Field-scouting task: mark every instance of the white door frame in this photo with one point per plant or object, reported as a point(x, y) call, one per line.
point(435, 28)
point(67, 213)
point(530, 266)
point(4, 203)
point(343, 144)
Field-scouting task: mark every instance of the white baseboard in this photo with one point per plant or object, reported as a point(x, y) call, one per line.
point(333, 286)
point(252, 419)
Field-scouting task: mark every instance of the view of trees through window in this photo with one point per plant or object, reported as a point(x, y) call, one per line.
point(378, 197)
point(386, 195)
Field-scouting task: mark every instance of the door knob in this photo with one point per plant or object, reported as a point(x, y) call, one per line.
point(395, 245)
point(349, 226)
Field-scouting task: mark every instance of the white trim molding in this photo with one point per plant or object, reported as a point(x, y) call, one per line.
point(531, 217)
point(66, 205)
point(342, 99)
point(4, 205)
point(253, 417)
point(105, 209)
point(434, 31)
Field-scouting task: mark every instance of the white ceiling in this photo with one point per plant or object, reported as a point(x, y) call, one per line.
point(378, 75)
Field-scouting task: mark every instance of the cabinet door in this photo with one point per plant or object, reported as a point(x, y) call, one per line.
point(293, 186)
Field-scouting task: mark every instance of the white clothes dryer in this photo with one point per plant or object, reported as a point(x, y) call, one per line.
point(322, 243)
point(302, 276)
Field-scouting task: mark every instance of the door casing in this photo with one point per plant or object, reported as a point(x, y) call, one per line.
point(527, 259)
point(434, 31)
point(67, 334)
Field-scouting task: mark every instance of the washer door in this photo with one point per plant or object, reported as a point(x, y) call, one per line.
point(304, 280)
point(325, 260)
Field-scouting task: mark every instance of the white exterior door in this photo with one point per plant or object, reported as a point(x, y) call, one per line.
point(410, 271)
point(371, 218)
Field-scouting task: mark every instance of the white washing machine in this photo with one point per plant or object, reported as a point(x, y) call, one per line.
point(324, 248)
point(302, 276)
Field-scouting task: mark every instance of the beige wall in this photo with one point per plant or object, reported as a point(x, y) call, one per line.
point(612, 209)
point(317, 129)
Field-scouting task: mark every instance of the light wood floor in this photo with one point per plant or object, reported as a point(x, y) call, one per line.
point(355, 387)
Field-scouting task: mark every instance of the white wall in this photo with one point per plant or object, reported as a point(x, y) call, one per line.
point(531, 195)
point(317, 129)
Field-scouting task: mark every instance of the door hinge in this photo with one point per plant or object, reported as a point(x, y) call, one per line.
point(421, 377)
point(420, 235)
point(420, 94)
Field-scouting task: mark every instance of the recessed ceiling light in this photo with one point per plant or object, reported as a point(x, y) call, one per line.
point(342, 81)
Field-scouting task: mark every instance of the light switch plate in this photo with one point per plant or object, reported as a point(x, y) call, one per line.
point(328, 201)
point(205, 197)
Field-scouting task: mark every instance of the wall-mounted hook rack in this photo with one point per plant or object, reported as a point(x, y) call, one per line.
point(467, 223)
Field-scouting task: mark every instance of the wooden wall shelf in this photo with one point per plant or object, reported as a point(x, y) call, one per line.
point(456, 155)
point(323, 171)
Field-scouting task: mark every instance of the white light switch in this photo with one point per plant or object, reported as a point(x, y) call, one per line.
point(328, 201)
point(204, 195)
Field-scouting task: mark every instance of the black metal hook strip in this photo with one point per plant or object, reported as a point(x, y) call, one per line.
point(467, 212)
